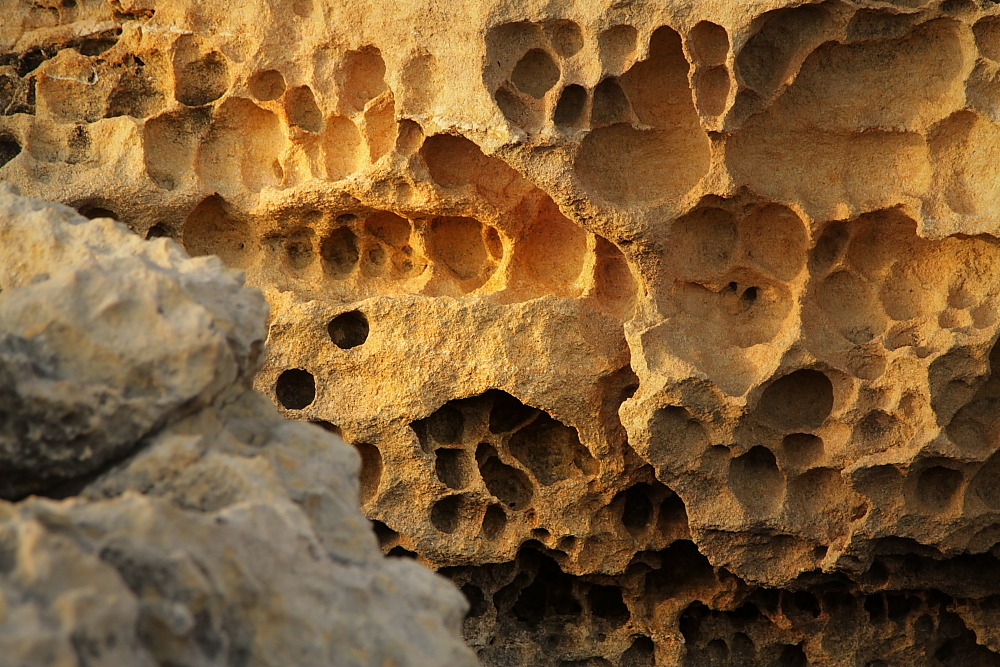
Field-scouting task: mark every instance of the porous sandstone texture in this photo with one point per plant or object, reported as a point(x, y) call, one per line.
point(196, 527)
point(664, 329)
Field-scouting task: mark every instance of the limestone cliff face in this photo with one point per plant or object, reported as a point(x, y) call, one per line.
point(664, 329)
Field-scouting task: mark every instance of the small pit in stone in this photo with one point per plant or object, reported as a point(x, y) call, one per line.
point(446, 514)
point(348, 329)
point(802, 449)
point(267, 85)
point(937, 488)
point(339, 252)
point(756, 481)
point(535, 73)
point(295, 389)
point(494, 521)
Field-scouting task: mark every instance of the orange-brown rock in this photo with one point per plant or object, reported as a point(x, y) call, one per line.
point(664, 329)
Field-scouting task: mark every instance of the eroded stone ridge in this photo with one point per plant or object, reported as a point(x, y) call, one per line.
point(666, 330)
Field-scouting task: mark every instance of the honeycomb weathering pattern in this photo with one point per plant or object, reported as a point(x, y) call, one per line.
point(664, 329)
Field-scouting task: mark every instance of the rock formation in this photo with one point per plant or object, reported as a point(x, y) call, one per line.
point(664, 329)
point(196, 526)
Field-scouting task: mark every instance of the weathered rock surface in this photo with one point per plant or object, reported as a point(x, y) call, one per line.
point(198, 526)
point(665, 329)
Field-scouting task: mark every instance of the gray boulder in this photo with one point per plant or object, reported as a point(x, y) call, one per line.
point(186, 522)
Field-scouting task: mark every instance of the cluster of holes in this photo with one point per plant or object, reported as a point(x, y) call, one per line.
point(539, 76)
point(295, 388)
point(491, 455)
point(590, 619)
point(532, 608)
point(364, 254)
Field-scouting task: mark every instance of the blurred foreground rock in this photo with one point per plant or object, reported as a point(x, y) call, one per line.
point(197, 527)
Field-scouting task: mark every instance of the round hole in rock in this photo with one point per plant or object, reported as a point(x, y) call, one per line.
point(709, 43)
point(348, 329)
point(802, 449)
point(571, 106)
point(798, 401)
point(295, 388)
point(535, 73)
point(756, 481)
point(339, 251)
point(267, 85)
point(446, 514)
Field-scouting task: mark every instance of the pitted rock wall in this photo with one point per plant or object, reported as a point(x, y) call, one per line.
point(666, 330)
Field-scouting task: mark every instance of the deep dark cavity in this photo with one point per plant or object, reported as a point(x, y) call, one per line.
point(606, 603)
point(637, 510)
point(508, 413)
point(348, 329)
point(550, 594)
point(295, 389)
point(571, 106)
point(9, 149)
point(508, 484)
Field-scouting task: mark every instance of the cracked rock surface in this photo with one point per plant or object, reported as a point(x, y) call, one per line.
point(666, 330)
point(182, 520)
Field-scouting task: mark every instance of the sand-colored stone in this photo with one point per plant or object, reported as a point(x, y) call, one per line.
point(664, 329)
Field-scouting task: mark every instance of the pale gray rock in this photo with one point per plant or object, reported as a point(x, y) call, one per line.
point(200, 529)
point(105, 338)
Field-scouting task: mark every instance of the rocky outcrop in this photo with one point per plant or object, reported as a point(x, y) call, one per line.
point(666, 330)
point(186, 522)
